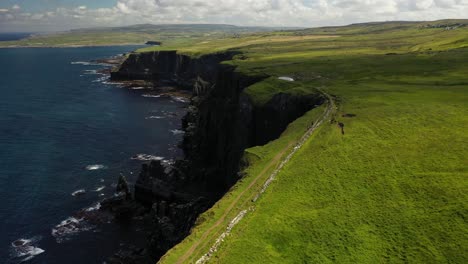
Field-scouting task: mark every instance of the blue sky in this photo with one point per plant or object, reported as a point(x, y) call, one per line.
point(54, 15)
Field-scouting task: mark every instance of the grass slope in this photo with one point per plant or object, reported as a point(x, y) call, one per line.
point(136, 34)
point(392, 189)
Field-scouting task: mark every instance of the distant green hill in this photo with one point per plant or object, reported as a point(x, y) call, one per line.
point(181, 35)
point(136, 34)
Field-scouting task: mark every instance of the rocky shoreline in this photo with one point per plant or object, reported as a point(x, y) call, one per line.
point(220, 124)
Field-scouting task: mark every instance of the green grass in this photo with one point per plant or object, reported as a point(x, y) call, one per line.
point(393, 189)
point(263, 91)
point(259, 158)
point(170, 35)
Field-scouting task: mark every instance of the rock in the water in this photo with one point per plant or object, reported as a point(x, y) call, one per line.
point(122, 186)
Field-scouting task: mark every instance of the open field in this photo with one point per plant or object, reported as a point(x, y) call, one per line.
point(137, 34)
point(391, 189)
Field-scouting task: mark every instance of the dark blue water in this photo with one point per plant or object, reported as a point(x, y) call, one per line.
point(57, 119)
point(13, 36)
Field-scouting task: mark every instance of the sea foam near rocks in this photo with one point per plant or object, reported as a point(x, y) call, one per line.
point(91, 72)
point(177, 132)
point(102, 79)
point(78, 192)
point(86, 63)
point(68, 227)
point(146, 157)
point(94, 207)
point(154, 117)
point(100, 188)
point(179, 99)
point(25, 249)
point(84, 220)
point(151, 95)
point(89, 63)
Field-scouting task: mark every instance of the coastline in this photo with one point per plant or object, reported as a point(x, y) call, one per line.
point(72, 213)
point(151, 88)
point(220, 117)
point(72, 46)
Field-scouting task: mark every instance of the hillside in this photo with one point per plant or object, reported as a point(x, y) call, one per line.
point(381, 176)
point(136, 34)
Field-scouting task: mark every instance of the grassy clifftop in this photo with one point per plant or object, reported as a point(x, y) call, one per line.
point(390, 187)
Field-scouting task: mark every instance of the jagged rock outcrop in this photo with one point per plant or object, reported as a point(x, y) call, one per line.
point(221, 122)
point(122, 187)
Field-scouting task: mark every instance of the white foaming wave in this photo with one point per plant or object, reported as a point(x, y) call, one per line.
point(68, 227)
point(106, 80)
point(26, 248)
point(102, 79)
point(83, 220)
point(95, 167)
point(137, 88)
point(100, 188)
point(146, 157)
point(90, 72)
point(88, 63)
point(154, 117)
point(180, 99)
point(151, 95)
point(177, 132)
point(168, 162)
point(78, 192)
point(94, 207)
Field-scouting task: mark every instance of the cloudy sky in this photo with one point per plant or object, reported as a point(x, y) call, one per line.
point(51, 15)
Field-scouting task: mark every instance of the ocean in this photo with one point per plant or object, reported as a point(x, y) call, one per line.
point(66, 134)
point(13, 36)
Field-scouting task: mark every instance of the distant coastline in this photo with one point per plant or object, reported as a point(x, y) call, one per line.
point(14, 36)
point(71, 46)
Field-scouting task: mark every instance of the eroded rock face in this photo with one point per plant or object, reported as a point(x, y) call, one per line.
point(218, 129)
point(168, 67)
point(122, 187)
point(172, 223)
point(273, 118)
point(220, 124)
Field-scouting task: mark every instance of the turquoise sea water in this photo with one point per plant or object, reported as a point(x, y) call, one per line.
point(64, 128)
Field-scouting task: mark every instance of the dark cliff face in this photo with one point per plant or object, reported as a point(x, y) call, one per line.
point(218, 129)
point(168, 67)
point(220, 124)
point(272, 119)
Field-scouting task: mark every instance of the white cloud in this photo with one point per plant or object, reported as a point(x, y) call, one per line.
point(306, 13)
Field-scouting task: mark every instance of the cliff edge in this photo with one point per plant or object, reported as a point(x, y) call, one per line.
point(221, 122)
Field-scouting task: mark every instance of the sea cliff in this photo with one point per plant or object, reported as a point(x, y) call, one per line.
point(221, 122)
